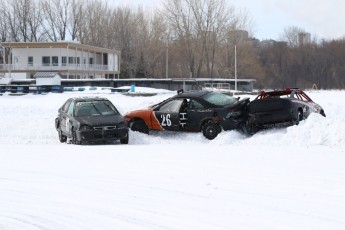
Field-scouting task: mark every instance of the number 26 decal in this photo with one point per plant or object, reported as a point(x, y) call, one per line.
point(166, 120)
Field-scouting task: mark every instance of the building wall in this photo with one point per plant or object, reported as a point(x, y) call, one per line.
point(49, 81)
point(20, 59)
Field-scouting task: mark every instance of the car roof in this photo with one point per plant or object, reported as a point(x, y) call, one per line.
point(193, 93)
point(89, 99)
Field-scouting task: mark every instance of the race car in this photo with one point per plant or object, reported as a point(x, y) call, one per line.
point(279, 108)
point(90, 119)
point(192, 111)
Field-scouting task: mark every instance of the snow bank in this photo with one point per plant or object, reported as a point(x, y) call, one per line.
point(30, 120)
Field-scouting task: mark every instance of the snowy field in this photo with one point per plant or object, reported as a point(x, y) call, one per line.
point(290, 178)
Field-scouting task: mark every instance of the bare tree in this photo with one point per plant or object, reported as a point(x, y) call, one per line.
point(290, 35)
point(3, 22)
point(200, 26)
point(77, 13)
point(56, 14)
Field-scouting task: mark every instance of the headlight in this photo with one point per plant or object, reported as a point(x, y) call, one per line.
point(85, 128)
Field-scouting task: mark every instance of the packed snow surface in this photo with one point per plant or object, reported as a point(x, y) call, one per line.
point(287, 178)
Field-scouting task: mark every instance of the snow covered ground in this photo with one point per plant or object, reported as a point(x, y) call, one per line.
point(290, 178)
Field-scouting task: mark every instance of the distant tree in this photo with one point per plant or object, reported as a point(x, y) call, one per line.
point(75, 20)
point(56, 13)
point(3, 23)
point(291, 35)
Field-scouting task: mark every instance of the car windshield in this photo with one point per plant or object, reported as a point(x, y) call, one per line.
point(95, 108)
point(219, 99)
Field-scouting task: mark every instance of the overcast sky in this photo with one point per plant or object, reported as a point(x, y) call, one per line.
point(326, 19)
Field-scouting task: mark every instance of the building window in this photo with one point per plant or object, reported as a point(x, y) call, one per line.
point(91, 61)
point(71, 60)
point(63, 61)
point(78, 60)
point(46, 61)
point(55, 61)
point(30, 61)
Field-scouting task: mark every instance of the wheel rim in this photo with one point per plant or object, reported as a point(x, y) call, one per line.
point(211, 131)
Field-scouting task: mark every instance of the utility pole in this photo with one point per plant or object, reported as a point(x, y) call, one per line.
point(166, 38)
point(235, 69)
point(167, 58)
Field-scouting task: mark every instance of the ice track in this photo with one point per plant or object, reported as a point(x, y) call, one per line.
point(290, 178)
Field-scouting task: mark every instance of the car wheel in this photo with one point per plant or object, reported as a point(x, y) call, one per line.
point(140, 126)
point(210, 130)
point(249, 129)
point(299, 116)
point(124, 140)
point(62, 138)
point(75, 139)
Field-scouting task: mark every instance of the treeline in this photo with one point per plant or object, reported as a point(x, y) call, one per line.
point(197, 38)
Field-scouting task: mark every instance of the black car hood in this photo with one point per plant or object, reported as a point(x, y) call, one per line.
point(240, 103)
point(93, 121)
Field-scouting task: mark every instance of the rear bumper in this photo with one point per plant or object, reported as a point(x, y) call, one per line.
point(101, 135)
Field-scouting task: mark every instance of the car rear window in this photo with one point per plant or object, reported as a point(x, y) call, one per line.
point(219, 99)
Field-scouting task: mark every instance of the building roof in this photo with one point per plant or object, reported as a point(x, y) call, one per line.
point(60, 44)
point(46, 74)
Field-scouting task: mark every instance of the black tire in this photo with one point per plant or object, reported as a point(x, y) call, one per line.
point(75, 139)
point(62, 138)
point(210, 130)
point(139, 126)
point(124, 140)
point(249, 129)
point(299, 116)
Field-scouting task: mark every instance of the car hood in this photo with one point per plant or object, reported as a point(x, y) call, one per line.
point(239, 103)
point(108, 120)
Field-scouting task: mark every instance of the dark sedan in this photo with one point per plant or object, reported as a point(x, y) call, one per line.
point(193, 111)
point(279, 108)
point(94, 119)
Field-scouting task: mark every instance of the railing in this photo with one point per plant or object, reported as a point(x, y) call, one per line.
point(91, 67)
point(217, 86)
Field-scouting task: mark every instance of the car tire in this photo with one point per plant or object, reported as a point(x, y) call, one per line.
point(62, 138)
point(211, 130)
point(249, 129)
point(75, 139)
point(299, 116)
point(124, 140)
point(139, 126)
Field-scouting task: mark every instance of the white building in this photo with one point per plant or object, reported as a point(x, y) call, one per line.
point(72, 60)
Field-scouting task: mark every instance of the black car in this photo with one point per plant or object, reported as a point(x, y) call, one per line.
point(193, 111)
point(278, 108)
point(85, 120)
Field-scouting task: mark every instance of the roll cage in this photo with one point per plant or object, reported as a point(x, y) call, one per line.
point(291, 92)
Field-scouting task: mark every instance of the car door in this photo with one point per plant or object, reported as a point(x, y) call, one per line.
point(196, 113)
point(168, 114)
